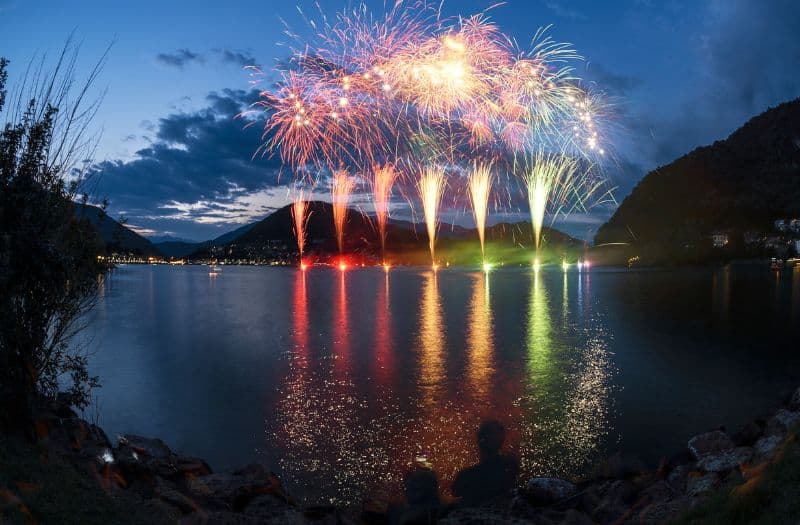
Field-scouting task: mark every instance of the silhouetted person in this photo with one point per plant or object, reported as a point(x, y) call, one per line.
point(494, 476)
point(422, 499)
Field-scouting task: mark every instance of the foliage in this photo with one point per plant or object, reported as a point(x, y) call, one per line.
point(742, 183)
point(771, 496)
point(49, 269)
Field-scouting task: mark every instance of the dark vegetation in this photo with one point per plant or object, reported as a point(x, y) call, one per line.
point(736, 185)
point(49, 269)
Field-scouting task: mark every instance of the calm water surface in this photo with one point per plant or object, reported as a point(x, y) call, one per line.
point(339, 381)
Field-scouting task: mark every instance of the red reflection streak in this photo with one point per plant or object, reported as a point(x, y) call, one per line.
point(383, 335)
point(300, 317)
point(341, 342)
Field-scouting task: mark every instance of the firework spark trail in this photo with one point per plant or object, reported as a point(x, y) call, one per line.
point(300, 216)
point(431, 185)
point(480, 185)
point(550, 178)
point(382, 182)
point(341, 188)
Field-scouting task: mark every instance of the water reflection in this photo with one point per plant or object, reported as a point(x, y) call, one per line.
point(721, 293)
point(431, 345)
point(480, 351)
point(566, 408)
point(329, 443)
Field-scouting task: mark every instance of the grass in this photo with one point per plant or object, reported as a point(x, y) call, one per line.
point(771, 495)
point(55, 490)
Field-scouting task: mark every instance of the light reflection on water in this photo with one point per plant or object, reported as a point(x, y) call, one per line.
point(356, 441)
point(341, 380)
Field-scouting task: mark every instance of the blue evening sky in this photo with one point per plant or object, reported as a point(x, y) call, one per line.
point(681, 73)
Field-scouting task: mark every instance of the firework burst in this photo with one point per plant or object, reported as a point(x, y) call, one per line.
point(300, 216)
point(431, 185)
point(341, 188)
point(480, 185)
point(383, 178)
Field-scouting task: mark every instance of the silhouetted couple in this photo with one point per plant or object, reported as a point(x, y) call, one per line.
point(492, 478)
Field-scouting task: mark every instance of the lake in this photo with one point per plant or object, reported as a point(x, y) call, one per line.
point(341, 380)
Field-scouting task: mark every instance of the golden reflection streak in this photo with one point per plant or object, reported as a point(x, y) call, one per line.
point(479, 340)
point(431, 341)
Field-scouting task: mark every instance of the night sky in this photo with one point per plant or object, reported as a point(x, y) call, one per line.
point(175, 162)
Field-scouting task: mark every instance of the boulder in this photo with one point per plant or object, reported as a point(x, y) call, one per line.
point(709, 443)
point(698, 484)
point(168, 493)
point(608, 501)
point(662, 511)
point(782, 422)
point(748, 434)
point(794, 401)
point(268, 508)
point(725, 460)
point(766, 447)
point(143, 458)
point(618, 466)
point(547, 491)
point(677, 477)
point(237, 488)
point(150, 447)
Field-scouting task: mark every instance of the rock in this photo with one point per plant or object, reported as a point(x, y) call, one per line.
point(794, 401)
point(547, 491)
point(168, 493)
point(489, 516)
point(618, 466)
point(608, 501)
point(748, 434)
point(726, 460)
point(151, 448)
point(766, 447)
point(710, 442)
point(267, 508)
point(659, 491)
point(782, 422)
point(236, 489)
point(662, 511)
point(698, 484)
point(677, 477)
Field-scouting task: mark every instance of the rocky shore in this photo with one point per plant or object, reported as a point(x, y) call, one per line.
point(176, 488)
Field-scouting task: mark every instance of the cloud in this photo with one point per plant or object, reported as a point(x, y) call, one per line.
point(613, 82)
point(180, 58)
point(237, 58)
point(560, 8)
point(198, 170)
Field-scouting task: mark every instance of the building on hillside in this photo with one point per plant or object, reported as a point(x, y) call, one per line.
point(753, 237)
point(794, 226)
point(781, 225)
point(719, 239)
point(797, 247)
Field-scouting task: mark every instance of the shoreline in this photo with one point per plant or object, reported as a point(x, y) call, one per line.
point(621, 489)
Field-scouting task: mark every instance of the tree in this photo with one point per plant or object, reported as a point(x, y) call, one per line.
point(49, 264)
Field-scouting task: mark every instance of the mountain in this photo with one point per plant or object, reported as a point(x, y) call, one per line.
point(406, 242)
point(116, 236)
point(739, 184)
point(160, 239)
point(232, 235)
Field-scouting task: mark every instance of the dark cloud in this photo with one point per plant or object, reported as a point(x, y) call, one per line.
point(199, 168)
point(610, 81)
point(237, 58)
point(180, 58)
point(753, 53)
